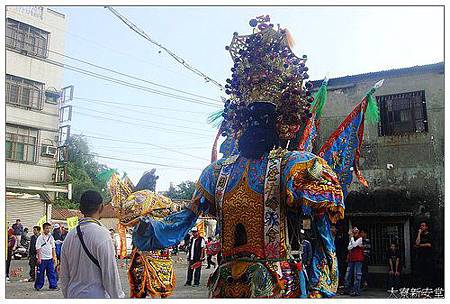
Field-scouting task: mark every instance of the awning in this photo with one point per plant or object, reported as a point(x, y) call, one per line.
point(33, 187)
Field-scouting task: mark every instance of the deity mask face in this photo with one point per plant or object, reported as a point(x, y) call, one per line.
point(260, 136)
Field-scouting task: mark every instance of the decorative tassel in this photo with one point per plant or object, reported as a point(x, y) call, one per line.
point(216, 118)
point(105, 175)
point(214, 148)
point(372, 111)
point(320, 99)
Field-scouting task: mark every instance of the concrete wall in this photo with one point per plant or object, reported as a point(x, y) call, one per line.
point(415, 183)
point(45, 120)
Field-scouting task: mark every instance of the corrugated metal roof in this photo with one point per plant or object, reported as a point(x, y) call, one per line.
point(63, 213)
point(346, 80)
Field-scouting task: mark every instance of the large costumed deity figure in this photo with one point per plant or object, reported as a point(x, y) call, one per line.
point(251, 192)
point(150, 272)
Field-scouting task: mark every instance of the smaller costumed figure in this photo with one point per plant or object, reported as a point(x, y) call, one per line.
point(150, 272)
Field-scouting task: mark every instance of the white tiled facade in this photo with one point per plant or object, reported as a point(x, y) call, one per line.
point(36, 171)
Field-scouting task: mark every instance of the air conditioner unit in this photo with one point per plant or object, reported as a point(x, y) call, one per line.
point(48, 151)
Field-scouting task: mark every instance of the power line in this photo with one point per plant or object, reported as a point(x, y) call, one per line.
point(122, 82)
point(173, 55)
point(123, 108)
point(65, 31)
point(142, 162)
point(141, 125)
point(160, 147)
point(136, 105)
point(144, 120)
point(143, 148)
point(125, 83)
point(143, 143)
point(132, 161)
point(134, 77)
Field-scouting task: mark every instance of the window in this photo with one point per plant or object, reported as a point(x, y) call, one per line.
point(381, 235)
point(24, 92)
point(21, 143)
point(52, 97)
point(402, 113)
point(26, 38)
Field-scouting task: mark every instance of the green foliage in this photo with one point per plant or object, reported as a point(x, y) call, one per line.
point(183, 190)
point(83, 171)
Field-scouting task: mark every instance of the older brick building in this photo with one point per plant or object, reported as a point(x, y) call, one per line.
point(402, 159)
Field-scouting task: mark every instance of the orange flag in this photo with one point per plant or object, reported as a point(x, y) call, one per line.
point(201, 228)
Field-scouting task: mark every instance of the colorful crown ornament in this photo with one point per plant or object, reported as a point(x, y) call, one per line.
point(266, 69)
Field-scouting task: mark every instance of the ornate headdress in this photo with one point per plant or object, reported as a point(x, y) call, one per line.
point(266, 69)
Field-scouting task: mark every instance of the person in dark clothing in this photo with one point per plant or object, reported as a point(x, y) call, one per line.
point(394, 265)
point(367, 251)
point(32, 253)
point(25, 239)
point(18, 230)
point(57, 235)
point(11, 244)
point(196, 254)
point(424, 257)
point(187, 238)
point(341, 241)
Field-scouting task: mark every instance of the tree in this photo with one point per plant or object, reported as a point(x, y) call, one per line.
point(83, 171)
point(183, 190)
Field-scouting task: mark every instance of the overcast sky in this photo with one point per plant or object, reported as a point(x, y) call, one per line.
point(339, 41)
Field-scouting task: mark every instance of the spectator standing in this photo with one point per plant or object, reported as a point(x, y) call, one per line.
point(210, 252)
point(32, 254)
point(355, 261)
point(25, 239)
point(367, 246)
point(57, 236)
point(187, 239)
point(11, 245)
point(63, 232)
point(394, 267)
point(88, 263)
point(196, 254)
point(18, 230)
point(341, 241)
point(46, 259)
point(424, 256)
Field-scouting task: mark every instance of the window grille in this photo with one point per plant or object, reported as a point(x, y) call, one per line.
point(26, 38)
point(21, 143)
point(23, 92)
point(402, 113)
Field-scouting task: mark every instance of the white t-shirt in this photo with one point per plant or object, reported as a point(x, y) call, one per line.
point(45, 243)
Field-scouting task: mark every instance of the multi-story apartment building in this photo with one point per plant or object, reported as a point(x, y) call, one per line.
point(34, 36)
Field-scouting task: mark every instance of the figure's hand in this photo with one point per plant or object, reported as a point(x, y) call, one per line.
point(397, 274)
point(133, 222)
point(391, 272)
point(38, 261)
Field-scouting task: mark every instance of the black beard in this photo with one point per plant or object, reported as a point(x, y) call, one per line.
point(257, 140)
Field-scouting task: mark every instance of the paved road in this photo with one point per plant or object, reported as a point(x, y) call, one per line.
point(15, 289)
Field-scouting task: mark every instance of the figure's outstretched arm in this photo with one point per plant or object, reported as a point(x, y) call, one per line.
point(151, 234)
